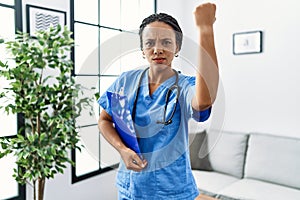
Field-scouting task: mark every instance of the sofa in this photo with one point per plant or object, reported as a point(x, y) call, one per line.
point(232, 165)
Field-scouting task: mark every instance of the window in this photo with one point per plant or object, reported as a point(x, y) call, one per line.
point(106, 41)
point(11, 11)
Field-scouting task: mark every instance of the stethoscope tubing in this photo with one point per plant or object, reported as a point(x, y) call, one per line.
point(172, 88)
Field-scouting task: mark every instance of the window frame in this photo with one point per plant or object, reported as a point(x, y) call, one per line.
point(76, 178)
point(20, 118)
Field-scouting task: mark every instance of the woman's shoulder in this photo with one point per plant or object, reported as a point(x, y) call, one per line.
point(131, 73)
point(186, 79)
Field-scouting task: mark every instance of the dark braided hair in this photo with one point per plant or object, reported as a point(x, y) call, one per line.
point(162, 17)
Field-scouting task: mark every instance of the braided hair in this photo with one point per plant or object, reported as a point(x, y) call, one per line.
point(162, 17)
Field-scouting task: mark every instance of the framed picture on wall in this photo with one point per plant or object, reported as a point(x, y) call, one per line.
point(39, 18)
point(247, 42)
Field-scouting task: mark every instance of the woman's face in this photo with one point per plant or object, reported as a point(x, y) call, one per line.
point(159, 43)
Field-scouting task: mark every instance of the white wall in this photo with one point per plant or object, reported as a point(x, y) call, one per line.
point(100, 187)
point(261, 90)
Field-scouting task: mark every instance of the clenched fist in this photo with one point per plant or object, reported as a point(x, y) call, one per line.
point(205, 14)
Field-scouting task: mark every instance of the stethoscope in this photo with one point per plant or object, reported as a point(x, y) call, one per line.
point(167, 97)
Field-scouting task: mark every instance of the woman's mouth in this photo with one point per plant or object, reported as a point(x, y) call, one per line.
point(158, 60)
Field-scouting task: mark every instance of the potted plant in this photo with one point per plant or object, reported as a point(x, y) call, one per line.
point(44, 92)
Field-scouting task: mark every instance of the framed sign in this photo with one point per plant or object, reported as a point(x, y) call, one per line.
point(247, 42)
point(39, 18)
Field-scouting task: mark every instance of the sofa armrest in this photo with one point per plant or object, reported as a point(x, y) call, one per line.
point(198, 140)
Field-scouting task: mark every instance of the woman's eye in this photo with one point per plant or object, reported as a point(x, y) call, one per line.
point(149, 44)
point(167, 43)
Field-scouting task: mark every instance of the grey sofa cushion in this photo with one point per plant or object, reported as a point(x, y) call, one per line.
point(198, 140)
point(210, 183)
point(259, 190)
point(274, 159)
point(227, 152)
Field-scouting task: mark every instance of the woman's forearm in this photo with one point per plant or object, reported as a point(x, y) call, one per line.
point(207, 77)
point(108, 131)
point(130, 158)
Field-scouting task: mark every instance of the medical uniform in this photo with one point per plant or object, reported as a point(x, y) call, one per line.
point(165, 147)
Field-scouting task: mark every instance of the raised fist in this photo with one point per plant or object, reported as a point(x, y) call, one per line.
point(205, 14)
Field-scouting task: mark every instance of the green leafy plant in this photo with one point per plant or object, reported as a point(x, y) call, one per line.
point(43, 91)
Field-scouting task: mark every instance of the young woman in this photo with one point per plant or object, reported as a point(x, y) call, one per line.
point(160, 102)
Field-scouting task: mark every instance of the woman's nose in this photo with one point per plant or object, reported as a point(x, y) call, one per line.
point(157, 50)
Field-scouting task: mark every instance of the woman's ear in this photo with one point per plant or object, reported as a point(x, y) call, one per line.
point(176, 51)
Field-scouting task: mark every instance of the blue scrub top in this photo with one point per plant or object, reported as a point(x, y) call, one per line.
point(165, 147)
